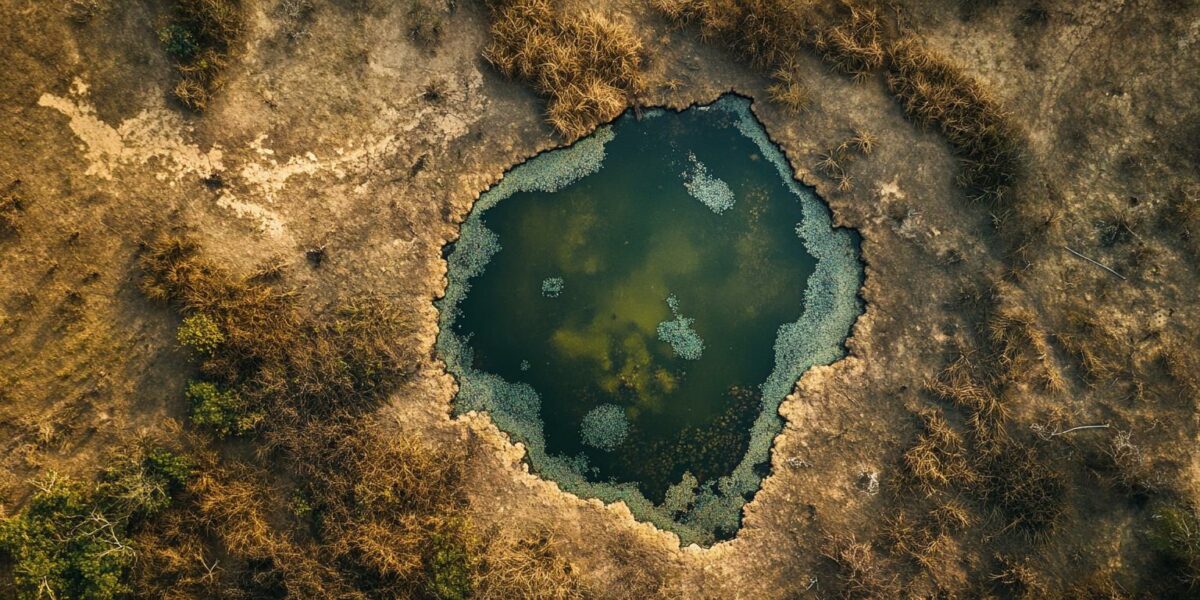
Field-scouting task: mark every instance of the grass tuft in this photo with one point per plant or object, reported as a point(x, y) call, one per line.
point(271, 363)
point(588, 66)
point(860, 573)
point(934, 91)
point(1176, 536)
point(938, 457)
point(426, 22)
point(199, 38)
point(789, 92)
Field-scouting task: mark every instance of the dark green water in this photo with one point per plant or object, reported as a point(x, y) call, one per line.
point(622, 241)
point(634, 308)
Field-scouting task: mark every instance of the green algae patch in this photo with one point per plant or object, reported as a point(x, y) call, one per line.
point(634, 308)
point(680, 334)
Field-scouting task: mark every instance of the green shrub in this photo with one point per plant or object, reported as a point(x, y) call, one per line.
point(179, 42)
point(144, 483)
point(451, 564)
point(200, 333)
point(222, 410)
point(63, 545)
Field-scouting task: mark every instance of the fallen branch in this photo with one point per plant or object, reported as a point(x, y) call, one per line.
point(1095, 262)
point(1040, 430)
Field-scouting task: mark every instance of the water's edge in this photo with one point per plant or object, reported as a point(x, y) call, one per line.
point(831, 305)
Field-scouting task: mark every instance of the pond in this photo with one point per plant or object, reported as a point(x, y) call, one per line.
point(634, 308)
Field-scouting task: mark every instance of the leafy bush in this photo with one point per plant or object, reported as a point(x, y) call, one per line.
point(222, 410)
point(62, 545)
point(450, 565)
point(144, 483)
point(200, 333)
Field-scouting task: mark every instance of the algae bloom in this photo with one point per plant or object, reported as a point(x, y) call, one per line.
point(703, 282)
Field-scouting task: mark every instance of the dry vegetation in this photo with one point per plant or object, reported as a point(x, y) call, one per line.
point(974, 466)
point(290, 489)
point(332, 504)
point(426, 22)
point(850, 36)
point(10, 211)
point(833, 163)
point(199, 37)
point(259, 350)
point(935, 92)
point(771, 34)
point(589, 67)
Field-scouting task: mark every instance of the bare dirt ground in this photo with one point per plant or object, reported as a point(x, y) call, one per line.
point(325, 137)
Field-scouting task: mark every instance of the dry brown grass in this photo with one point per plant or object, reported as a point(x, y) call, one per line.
point(226, 540)
point(1010, 478)
point(1181, 361)
point(789, 91)
point(291, 368)
point(859, 572)
point(772, 33)
point(769, 33)
point(853, 44)
point(951, 515)
point(968, 385)
point(833, 163)
point(1097, 350)
point(936, 92)
point(938, 456)
point(1023, 489)
point(862, 142)
point(851, 37)
point(200, 38)
point(588, 66)
point(1130, 468)
point(1182, 215)
point(381, 513)
point(526, 567)
point(384, 500)
point(1022, 346)
point(1019, 579)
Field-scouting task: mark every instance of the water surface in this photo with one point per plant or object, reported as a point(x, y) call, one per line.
point(638, 305)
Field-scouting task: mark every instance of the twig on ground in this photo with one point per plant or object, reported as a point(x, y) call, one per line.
point(1040, 430)
point(1095, 262)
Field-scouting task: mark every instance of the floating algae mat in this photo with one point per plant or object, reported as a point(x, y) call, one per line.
point(635, 307)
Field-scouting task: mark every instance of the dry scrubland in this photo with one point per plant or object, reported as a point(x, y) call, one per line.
point(1040, 444)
